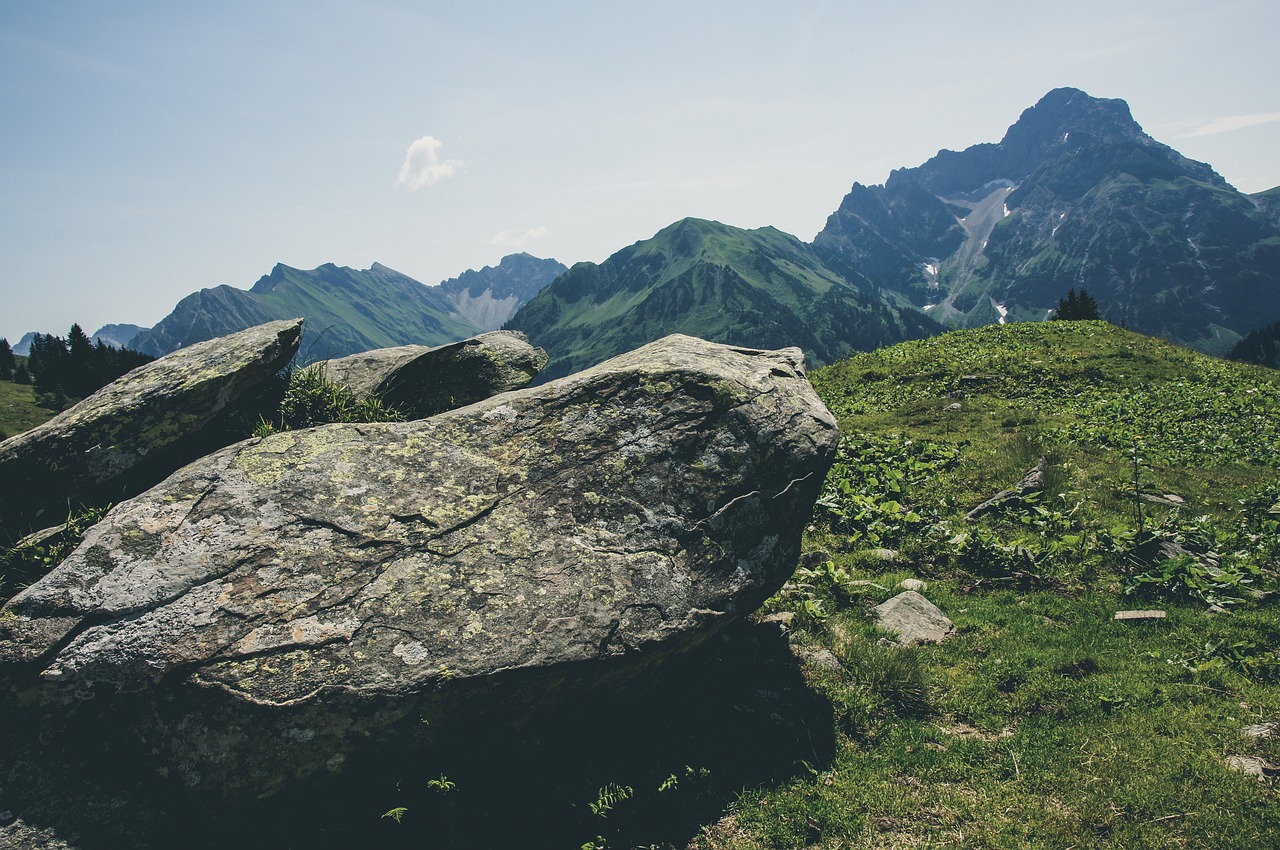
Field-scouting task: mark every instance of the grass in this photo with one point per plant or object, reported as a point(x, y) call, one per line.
point(1044, 722)
point(18, 409)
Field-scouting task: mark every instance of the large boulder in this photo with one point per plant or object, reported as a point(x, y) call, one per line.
point(421, 381)
point(136, 430)
point(291, 601)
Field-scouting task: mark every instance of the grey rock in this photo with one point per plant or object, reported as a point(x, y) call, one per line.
point(289, 601)
point(1128, 616)
point(914, 619)
point(1171, 499)
point(1260, 731)
point(814, 558)
point(1032, 482)
point(1258, 768)
point(889, 555)
point(136, 430)
point(782, 619)
point(422, 381)
point(823, 659)
point(913, 584)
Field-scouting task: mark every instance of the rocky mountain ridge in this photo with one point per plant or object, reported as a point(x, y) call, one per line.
point(1076, 195)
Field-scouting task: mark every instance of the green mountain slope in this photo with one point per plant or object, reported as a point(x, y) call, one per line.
point(349, 310)
point(759, 288)
point(1076, 195)
point(1269, 203)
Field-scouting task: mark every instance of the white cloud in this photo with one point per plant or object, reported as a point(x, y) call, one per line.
point(423, 166)
point(515, 239)
point(1232, 122)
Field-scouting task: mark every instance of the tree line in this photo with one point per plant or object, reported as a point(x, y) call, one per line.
point(65, 369)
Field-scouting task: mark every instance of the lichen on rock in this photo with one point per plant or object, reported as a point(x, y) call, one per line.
point(136, 430)
point(555, 538)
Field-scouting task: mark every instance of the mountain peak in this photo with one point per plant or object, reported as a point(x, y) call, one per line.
point(1064, 111)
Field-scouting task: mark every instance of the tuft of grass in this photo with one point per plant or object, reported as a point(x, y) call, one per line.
point(311, 399)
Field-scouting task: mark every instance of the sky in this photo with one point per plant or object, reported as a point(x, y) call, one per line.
point(151, 149)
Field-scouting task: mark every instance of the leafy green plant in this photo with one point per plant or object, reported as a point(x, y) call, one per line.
point(444, 785)
point(395, 814)
point(1242, 655)
point(610, 796)
point(1179, 559)
point(866, 494)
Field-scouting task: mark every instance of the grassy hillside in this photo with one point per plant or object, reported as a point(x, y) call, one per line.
point(1044, 722)
point(18, 409)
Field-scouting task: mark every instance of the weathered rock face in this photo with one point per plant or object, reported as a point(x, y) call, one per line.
point(272, 608)
point(139, 420)
point(422, 381)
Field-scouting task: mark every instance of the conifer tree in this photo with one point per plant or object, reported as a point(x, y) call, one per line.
point(1077, 307)
point(7, 360)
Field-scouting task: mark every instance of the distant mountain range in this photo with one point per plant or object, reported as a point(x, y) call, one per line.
point(755, 288)
point(1076, 195)
point(349, 311)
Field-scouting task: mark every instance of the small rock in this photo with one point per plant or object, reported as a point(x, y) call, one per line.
point(955, 405)
point(1032, 482)
point(1252, 765)
point(884, 554)
point(913, 584)
point(782, 618)
point(812, 559)
point(1261, 730)
point(1140, 615)
point(914, 619)
point(1171, 499)
point(823, 659)
point(1215, 609)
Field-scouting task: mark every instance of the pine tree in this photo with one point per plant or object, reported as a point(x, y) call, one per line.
point(7, 361)
point(1077, 307)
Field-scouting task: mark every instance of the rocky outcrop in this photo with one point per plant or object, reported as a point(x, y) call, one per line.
point(421, 381)
point(136, 430)
point(293, 601)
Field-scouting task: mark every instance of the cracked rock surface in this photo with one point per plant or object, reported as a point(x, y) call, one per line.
point(270, 609)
